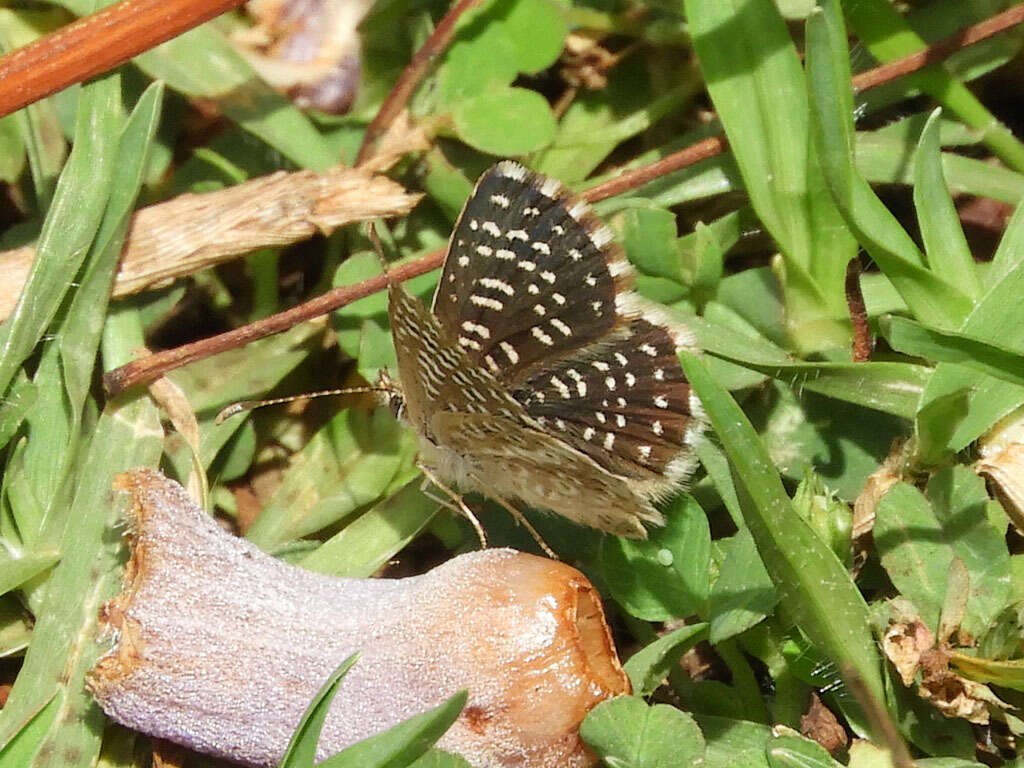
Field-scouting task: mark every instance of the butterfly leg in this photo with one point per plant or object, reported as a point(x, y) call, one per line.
point(521, 520)
point(460, 505)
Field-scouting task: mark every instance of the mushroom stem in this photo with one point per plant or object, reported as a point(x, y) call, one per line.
point(220, 647)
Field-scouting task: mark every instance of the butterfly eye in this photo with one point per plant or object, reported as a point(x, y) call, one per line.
point(397, 405)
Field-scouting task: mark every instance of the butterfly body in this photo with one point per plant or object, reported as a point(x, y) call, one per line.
point(537, 376)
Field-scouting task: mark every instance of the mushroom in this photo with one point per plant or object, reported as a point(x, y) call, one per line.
point(220, 647)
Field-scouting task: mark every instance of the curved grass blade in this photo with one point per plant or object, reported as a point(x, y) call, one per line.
point(918, 340)
point(402, 744)
point(931, 298)
point(944, 240)
point(301, 750)
point(814, 587)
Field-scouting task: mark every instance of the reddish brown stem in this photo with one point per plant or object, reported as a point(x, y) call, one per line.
point(941, 50)
point(862, 342)
point(95, 44)
point(156, 365)
point(411, 76)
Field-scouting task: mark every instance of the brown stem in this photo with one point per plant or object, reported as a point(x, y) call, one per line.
point(156, 365)
point(862, 342)
point(399, 96)
point(231, 675)
point(95, 44)
point(939, 51)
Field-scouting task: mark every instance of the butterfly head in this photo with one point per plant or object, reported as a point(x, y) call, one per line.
point(390, 394)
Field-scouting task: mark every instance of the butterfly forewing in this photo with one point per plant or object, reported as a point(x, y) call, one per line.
point(530, 275)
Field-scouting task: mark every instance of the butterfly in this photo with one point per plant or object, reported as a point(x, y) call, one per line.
point(537, 376)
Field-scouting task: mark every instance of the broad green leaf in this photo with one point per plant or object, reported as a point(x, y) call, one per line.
point(627, 733)
point(14, 407)
point(814, 587)
point(537, 30)
point(734, 743)
point(960, 501)
point(401, 744)
point(666, 575)
point(648, 667)
point(944, 241)
point(649, 237)
point(505, 121)
point(301, 751)
point(743, 594)
point(367, 543)
point(913, 549)
point(438, 758)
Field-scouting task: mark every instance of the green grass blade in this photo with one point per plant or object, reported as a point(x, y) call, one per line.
point(80, 333)
point(998, 317)
point(64, 644)
point(944, 240)
point(16, 571)
point(345, 467)
point(918, 340)
point(648, 667)
point(888, 36)
point(751, 67)
point(930, 298)
point(402, 744)
point(301, 752)
point(367, 543)
point(814, 587)
point(70, 225)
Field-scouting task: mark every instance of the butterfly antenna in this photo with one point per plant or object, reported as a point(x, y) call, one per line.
point(378, 246)
point(248, 405)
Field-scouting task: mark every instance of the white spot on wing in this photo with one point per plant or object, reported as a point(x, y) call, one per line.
point(609, 440)
point(661, 401)
point(491, 228)
point(497, 285)
point(500, 200)
point(486, 301)
point(542, 337)
point(518, 234)
point(541, 247)
point(561, 386)
point(510, 352)
point(505, 254)
point(565, 329)
point(656, 428)
point(550, 188)
point(548, 277)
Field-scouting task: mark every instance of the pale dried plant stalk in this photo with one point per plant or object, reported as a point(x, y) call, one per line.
point(195, 231)
point(221, 647)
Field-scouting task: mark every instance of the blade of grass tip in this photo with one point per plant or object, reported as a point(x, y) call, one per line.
point(301, 750)
point(814, 586)
point(944, 240)
point(80, 336)
point(70, 224)
point(929, 297)
point(912, 338)
point(400, 745)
